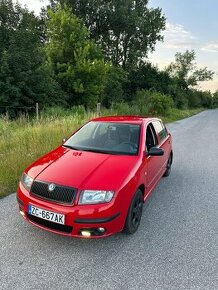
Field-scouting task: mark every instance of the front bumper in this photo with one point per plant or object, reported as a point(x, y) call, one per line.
point(78, 218)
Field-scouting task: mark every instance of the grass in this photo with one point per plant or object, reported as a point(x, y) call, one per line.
point(176, 114)
point(23, 141)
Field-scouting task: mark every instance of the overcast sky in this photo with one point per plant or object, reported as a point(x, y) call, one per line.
point(191, 24)
point(34, 5)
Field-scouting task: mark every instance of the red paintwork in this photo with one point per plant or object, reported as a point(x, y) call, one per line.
point(88, 170)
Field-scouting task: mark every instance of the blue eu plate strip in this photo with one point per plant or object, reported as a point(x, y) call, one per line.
point(30, 209)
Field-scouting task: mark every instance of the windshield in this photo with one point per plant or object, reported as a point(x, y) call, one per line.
point(106, 137)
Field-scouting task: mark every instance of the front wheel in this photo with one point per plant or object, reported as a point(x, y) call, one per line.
point(169, 164)
point(134, 213)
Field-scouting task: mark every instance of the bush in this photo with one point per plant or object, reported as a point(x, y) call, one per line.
point(153, 103)
point(145, 102)
point(194, 99)
point(160, 104)
point(142, 97)
point(141, 100)
point(121, 109)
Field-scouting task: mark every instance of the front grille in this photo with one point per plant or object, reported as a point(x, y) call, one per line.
point(61, 194)
point(50, 225)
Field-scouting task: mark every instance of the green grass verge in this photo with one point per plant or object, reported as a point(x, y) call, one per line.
point(22, 142)
point(176, 114)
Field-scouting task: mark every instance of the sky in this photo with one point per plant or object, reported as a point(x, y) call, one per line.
point(33, 5)
point(191, 24)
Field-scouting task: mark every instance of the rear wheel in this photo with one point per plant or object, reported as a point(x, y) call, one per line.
point(134, 213)
point(169, 164)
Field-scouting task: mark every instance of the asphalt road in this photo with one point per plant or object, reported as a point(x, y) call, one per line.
point(176, 246)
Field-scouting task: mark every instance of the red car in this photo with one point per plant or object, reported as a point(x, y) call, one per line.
point(95, 184)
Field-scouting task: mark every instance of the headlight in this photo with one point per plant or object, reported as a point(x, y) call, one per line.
point(26, 181)
point(95, 196)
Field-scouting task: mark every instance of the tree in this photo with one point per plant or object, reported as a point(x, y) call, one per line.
point(185, 70)
point(24, 77)
point(215, 99)
point(116, 80)
point(76, 61)
point(126, 30)
point(148, 77)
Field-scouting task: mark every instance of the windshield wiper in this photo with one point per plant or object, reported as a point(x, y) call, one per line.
point(98, 151)
point(71, 147)
point(101, 151)
point(91, 150)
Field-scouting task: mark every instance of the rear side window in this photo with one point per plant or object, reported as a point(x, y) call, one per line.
point(160, 129)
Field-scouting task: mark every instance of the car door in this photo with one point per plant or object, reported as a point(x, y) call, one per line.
point(163, 141)
point(153, 164)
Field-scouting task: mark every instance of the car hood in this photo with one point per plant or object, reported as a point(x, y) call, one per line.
point(84, 170)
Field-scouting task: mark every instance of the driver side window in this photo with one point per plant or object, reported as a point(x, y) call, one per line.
point(151, 138)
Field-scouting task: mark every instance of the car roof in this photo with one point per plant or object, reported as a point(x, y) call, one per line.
point(124, 119)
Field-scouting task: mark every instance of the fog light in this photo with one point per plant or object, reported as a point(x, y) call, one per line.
point(86, 234)
point(101, 230)
point(22, 212)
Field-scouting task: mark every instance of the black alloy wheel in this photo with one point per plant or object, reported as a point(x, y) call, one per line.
point(169, 164)
point(134, 214)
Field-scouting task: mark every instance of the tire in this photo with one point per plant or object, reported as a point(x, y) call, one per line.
point(169, 164)
point(134, 213)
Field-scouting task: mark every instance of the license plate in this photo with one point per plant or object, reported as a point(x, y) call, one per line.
point(46, 214)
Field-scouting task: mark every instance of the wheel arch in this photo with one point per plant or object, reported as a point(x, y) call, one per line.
point(171, 154)
point(142, 188)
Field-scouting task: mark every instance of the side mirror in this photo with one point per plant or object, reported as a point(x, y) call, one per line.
point(64, 140)
point(154, 151)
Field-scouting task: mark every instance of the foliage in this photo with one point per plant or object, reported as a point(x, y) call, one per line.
point(116, 79)
point(126, 30)
point(90, 51)
point(180, 96)
point(154, 102)
point(24, 76)
point(198, 99)
point(215, 100)
point(147, 77)
point(58, 112)
point(76, 61)
point(160, 104)
point(142, 100)
point(124, 108)
point(185, 71)
point(175, 114)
